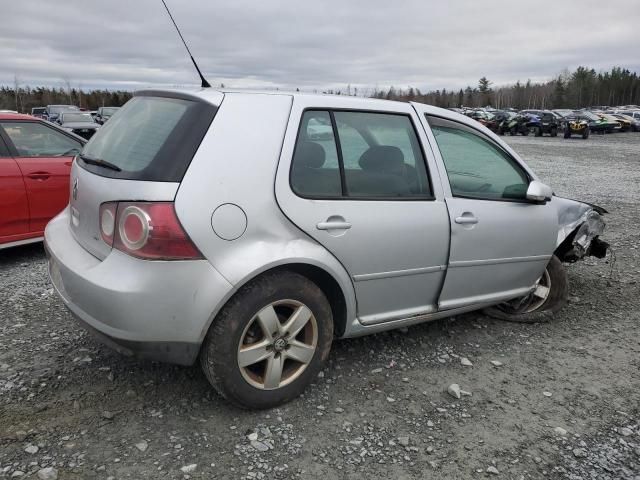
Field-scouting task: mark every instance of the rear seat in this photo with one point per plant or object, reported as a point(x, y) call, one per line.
point(383, 173)
point(307, 174)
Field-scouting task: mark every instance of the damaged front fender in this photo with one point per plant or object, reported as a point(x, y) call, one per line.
point(579, 227)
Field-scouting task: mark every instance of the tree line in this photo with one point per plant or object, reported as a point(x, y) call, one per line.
point(583, 87)
point(23, 99)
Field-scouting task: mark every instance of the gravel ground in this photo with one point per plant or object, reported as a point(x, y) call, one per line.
point(555, 400)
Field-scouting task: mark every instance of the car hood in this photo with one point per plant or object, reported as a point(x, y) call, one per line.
point(75, 125)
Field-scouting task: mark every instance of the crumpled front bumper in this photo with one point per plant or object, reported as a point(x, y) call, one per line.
point(579, 228)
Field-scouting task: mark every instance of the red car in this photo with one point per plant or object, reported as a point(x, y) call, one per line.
point(35, 160)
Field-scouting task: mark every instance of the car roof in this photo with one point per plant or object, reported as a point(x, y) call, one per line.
point(18, 116)
point(214, 96)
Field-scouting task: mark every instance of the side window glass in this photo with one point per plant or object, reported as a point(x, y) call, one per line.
point(33, 139)
point(475, 166)
point(4, 151)
point(315, 171)
point(382, 155)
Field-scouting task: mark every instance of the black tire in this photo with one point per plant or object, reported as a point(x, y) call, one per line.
point(567, 132)
point(538, 132)
point(555, 301)
point(554, 132)
point(585, 134)
point(524, 132)
point(219, 352)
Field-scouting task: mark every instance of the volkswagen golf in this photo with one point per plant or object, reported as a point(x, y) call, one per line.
point(248, 230)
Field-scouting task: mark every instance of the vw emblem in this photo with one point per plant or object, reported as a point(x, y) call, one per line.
point(74, 190)
point(280, 344)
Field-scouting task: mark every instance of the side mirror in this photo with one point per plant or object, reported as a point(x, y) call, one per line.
point(539, 192)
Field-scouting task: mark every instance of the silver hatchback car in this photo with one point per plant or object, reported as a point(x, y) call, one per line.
point(248, 230)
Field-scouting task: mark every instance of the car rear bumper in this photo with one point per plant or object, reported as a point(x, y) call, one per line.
point(154, 309)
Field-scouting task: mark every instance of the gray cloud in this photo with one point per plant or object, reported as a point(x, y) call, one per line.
point(311, 45)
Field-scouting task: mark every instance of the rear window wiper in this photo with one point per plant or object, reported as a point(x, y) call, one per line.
point(100, 163)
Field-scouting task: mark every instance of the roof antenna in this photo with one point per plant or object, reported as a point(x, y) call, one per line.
point(205, 84)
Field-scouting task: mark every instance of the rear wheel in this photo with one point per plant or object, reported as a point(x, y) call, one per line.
point(567, 132)
point(269, 342)
point(538, 132)
point(549, 296)
point(585, 134)
point(554, 132)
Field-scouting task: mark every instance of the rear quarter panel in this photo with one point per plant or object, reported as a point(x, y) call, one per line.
point(236, 164)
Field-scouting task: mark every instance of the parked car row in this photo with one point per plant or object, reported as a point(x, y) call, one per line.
point(552, 122)
point(52, 112)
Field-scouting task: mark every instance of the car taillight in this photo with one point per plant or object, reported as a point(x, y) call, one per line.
point(148, 230)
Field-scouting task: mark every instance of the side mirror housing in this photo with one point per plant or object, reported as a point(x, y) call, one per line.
point(539, 192)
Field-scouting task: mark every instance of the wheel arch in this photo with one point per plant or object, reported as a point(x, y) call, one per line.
point(341, 298)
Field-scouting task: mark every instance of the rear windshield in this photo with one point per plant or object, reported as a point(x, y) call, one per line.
point(62, 108)
point(76, 117)
point(150, 138)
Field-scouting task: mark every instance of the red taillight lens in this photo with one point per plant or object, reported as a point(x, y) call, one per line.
point(108, 221)
point(151, 230)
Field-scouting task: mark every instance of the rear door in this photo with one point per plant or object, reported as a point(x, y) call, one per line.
point(44, 156)
point(14, 206)
point(500, 242)
point(357, 182)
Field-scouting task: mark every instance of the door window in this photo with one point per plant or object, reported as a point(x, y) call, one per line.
point(375, 156)
point(33, 139)
point(382, 156)
point(315, 171)
point(4, 151)
point(476, 167)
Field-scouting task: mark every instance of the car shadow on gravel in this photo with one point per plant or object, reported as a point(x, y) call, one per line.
point(10, 257)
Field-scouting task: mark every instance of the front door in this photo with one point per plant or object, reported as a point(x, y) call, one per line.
point(500, 242)
point(358, 183)
point(44, 156)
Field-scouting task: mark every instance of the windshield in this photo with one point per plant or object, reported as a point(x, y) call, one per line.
point(76, 117)
point(589, 115)
point(152, 138)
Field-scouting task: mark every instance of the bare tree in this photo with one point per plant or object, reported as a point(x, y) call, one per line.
point(67, 84)
point(16, 90)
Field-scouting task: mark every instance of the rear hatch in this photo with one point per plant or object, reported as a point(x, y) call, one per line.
point(141, 154)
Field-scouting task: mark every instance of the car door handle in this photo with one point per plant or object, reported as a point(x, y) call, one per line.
point(466, 219)
point(39, 175)
point(333, 225)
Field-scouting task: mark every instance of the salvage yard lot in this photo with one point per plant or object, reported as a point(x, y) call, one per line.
point(560, 400)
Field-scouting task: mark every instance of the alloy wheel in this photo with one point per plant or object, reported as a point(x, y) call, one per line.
point(278, 344)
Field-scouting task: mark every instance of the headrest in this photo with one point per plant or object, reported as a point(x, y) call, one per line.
point(310, 154)
point(382, 158)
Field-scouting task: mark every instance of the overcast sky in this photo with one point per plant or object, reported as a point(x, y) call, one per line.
point(312, 44)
